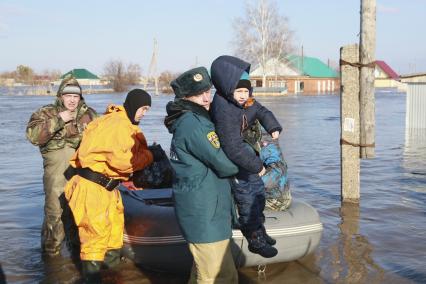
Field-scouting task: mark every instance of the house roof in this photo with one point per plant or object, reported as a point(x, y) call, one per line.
point(311, 66)
point(294, 65)
point(81, 74)
point(387, 69)
point(275, 67)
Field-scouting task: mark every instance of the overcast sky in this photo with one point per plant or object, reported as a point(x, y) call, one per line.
point(86, 34)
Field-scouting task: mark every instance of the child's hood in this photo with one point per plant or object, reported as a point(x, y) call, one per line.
point(225, 72)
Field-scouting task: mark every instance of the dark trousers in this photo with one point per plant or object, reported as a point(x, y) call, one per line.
point(249, 195)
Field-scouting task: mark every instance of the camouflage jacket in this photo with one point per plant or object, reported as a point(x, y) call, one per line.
point(47, 130)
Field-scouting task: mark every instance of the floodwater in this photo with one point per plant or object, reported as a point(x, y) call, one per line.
point(383, 240)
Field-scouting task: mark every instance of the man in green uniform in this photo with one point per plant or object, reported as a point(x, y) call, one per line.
point(57, 130)
point(201, 191)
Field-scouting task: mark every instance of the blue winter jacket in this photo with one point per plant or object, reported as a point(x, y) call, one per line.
point(227, 114)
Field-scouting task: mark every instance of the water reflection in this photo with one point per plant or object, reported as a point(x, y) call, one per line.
point(414, 157)
point(61, 269)
point(305, 270)
point(352, 253)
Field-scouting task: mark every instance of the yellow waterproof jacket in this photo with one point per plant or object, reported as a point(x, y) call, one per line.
point(113, 146)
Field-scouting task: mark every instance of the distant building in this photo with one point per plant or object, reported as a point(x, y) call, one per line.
point(84, 77)
point(300, 74)
point(385, 76)
point(8, 82)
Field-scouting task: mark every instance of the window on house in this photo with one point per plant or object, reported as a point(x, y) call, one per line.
point(301, 86)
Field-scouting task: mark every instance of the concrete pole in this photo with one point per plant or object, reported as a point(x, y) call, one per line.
point(367, 49)
point(349, 115)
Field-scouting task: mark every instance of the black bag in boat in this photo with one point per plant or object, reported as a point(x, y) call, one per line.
point(157, 175)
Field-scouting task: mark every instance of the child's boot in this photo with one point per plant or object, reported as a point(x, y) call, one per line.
point(269, 240)
point(257, 244)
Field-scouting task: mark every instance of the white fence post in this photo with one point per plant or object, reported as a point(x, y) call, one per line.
point(415, 116)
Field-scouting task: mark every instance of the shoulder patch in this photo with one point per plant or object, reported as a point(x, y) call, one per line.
point(214, 139)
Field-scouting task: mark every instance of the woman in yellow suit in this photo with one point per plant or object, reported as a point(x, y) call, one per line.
point(112, 148)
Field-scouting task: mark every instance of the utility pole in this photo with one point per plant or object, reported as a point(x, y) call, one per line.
point(357, 64)
point(349, 121)
point(367, 49)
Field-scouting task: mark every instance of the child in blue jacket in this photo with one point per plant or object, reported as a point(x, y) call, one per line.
point(234, 111)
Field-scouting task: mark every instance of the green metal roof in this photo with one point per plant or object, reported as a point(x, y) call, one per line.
point(311, 66)
point(81, 74)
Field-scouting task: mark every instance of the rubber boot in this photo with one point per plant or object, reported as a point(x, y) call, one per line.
point(257, 244)
point(269, 240)
point(51, 236)
point(112, 258)
point(50, 252)
point(91, 271)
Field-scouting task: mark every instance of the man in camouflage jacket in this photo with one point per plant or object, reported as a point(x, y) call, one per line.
point(57, 130)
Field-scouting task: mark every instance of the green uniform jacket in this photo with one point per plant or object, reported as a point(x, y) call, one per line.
point(202, 193)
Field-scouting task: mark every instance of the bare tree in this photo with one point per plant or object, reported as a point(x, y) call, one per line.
point(133, 74)
point(115, 72)
point(24, 73)
point(7, 75)
point(52, 75)
point(262, 34)
point(165, 79)
point(121, 76)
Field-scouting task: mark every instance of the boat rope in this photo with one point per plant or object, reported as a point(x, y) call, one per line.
point(344, 142)
point(358, 64)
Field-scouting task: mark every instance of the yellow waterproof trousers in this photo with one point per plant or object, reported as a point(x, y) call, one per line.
point(99, 216)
